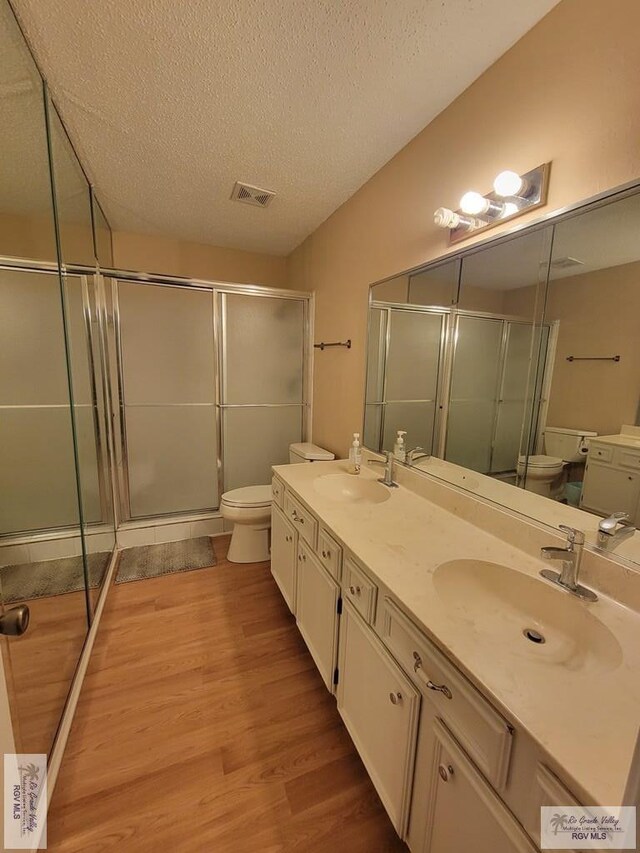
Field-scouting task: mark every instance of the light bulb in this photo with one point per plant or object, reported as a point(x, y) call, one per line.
point(508, 184)
point(510, 208)
point(473, 203)
point(446, 218)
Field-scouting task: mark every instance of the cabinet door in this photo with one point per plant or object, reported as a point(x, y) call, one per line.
point(380, 708)
point(317, 613)
point(607, 489)
point(464, 813)
point(284, 542)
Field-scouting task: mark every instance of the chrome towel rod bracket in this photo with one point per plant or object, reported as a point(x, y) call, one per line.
point(322, 345)
point(592, 358)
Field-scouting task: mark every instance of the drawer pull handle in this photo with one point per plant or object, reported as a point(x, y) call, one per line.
point(440, 688)
point(354, 590)
point(445, 772)
point(302, 558)
point(395, 698)
point(287, 538)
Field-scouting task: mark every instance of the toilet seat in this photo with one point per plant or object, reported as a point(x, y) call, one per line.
point(248, 496)
point(541, 462)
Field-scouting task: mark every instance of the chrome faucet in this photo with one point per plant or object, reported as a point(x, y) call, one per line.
point(610, 534)
point(388, 469)
point(570, 558)
point(417, 453)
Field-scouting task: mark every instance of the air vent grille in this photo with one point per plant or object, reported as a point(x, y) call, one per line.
point(247, 194)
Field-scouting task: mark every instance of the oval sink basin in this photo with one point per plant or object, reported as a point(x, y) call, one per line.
point(527, 616)
point(350, 488)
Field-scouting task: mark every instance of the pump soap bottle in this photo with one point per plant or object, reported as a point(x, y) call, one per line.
point(355, 455)
point(399, 450)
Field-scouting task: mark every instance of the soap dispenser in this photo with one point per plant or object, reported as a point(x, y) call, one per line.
point(355, 455)
point(399, 450)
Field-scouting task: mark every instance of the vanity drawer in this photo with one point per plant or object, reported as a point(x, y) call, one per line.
point(277, 491)
point(628, 458)
point(600, 452)
point(302, 519)
point(360, 591)
point(330, 553)
point(480, 729)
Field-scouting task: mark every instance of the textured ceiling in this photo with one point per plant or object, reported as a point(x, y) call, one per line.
point(169, 103)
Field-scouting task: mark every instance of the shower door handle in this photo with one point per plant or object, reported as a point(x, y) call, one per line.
point(15, 621)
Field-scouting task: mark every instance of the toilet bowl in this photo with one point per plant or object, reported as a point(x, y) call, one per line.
point(249, 508)
point(542, 473)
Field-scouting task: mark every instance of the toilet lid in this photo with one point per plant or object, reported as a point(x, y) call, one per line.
point(248, 496)
point(540, 461)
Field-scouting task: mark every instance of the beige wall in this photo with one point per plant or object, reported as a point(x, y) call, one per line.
point(154, 254)
point(567, 92)
point(599, 315)
point(34, 238)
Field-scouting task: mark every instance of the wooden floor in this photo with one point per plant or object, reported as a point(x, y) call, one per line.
point(39, 667)
point(204, 727)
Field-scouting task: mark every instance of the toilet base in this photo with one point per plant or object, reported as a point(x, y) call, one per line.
point(249, 544)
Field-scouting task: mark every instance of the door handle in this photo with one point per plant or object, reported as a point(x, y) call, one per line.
point(15, 622)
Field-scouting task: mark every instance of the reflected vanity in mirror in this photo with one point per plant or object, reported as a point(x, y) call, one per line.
point(517, 359)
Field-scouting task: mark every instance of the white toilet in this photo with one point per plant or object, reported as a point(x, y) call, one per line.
point(544, 473)
point(249, 508)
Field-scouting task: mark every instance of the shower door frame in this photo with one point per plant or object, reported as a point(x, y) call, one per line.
point(102, 443)
point(505, 319)
point(440, 400)
point(217, 289)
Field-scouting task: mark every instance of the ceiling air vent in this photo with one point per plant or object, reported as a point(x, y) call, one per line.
point(256, 196)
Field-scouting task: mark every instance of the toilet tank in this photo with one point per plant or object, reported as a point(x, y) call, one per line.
point(303, 451)
point(572, 445)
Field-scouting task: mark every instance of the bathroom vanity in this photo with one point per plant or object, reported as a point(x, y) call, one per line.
point(415, 603)
point(612, 475)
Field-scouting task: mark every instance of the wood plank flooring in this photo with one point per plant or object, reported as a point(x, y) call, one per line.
point(39, 667)
point(203, 725)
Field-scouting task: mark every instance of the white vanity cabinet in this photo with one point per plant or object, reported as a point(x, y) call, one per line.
point(463, 812)
point(380, 708)
point(450, 769)
point(317, 605)
point(608, 489)
point(284, 552)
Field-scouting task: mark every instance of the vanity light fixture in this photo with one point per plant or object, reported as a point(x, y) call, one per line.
point(512, 195)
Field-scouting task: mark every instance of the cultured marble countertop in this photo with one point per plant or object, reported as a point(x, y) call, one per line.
point(623, 440)
point(586, 717)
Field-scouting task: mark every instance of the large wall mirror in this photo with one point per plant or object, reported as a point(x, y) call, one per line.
point(518, 360)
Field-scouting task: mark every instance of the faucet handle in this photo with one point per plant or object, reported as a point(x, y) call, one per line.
point(574, 537)
point(609, 524)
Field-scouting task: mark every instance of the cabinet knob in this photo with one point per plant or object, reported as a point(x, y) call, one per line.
point(445, 772)
point(325, 554)
point(354, 590)
point(395, 698)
